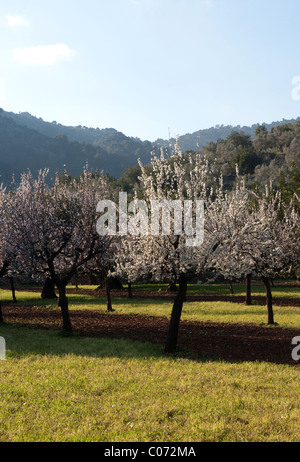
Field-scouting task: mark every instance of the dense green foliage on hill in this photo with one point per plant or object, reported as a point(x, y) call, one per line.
point(30, 143)
point(272, 155)
point(269, 152)
point(269, 156)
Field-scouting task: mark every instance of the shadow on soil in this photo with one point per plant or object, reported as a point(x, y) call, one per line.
point(201, 341)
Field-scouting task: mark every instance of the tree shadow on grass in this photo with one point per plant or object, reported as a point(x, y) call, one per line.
point(22, 341)
point(201, 341)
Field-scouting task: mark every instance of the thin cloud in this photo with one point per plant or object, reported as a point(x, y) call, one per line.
point(16, 21)
point(44, 55)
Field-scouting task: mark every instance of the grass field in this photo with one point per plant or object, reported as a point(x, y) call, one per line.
point(285, 316)
point(278, 290)
point(56, 388)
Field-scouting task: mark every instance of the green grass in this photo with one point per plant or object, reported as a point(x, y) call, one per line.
point(217, 289)
point(55, 388)
point(287, 316)
point(279, 289)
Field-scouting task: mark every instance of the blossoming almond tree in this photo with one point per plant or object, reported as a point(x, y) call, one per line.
point(4, 263)
point(290, 234)
point(227, 215)
point(52, 230)
point(254, 239)
point(167, 247)
point(3, 270)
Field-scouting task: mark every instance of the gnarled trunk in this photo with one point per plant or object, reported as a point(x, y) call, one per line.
point(49, 289)
point(172, 337)
point(3, 271)
point(64, 306)
point(172, 287)
point(129, 290)
point(12, 286)
point(267, 285)
point(108, 296)
point(248, 290)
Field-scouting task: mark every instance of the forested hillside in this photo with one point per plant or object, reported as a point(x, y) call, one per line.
point(28, 142)
point(268, 156)
point(272, 155)
point(262, 152)
point(201, 138)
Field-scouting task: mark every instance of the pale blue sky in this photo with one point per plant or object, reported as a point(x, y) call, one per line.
point(150, 67)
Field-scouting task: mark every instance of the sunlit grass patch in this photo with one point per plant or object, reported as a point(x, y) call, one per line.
point(54, 388)
point(257, 288)
point(285, 316)
point(214, 311)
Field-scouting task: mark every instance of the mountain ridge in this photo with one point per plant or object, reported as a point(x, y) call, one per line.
point(29, 142)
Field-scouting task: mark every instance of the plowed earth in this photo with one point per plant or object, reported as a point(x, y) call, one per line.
point(206, 340)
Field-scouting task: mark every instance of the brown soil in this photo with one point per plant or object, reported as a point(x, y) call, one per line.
point(258, 299)
point(207, 341)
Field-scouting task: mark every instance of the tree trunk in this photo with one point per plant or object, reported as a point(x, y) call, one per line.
point(3, 270)
point(172, 337)
point(12, 285)
point(248, 290)
point(64, 306)
point(108, 297)
point(172, 287)
point(267, 285)
point(231, 288)
point(129, 290)
point(49, 289)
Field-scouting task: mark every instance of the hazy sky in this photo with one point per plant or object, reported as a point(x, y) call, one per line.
point(151, 68)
